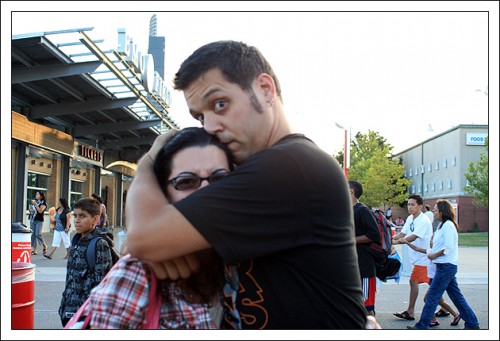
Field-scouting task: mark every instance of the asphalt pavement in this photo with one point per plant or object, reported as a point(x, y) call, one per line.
point(473, 279)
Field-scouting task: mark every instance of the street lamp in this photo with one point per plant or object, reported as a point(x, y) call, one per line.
point(347, 148)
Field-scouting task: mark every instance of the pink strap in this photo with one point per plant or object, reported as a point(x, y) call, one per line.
point(74, 319)
point(153, 313)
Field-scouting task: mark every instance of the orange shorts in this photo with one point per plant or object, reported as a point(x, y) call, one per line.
point(419, 274)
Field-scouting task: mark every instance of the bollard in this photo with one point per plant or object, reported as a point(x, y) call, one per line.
point(23, 295)
point(21, 243)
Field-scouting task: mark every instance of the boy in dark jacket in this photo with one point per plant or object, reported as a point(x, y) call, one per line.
point(80, 277)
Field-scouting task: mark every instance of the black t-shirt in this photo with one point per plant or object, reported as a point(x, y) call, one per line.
point(285, 219)
point(365, 224)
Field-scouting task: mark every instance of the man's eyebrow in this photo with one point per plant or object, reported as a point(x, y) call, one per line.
point(204, 97)
point(210, 92)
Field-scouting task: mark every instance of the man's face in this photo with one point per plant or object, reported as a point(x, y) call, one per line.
point(413, 207)
point(238, 118)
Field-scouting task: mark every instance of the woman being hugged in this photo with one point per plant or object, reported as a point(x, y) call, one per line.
point(444, 253)
point(189, 161)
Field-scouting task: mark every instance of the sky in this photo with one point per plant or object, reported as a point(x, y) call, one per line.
point(390, 67)
point(397, 73)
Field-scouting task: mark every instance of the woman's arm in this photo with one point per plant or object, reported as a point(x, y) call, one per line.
point(418, 249)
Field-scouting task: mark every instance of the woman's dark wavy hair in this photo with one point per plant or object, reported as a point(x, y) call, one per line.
point(238, 62)
point(64, 202)
point(447, 212)
point(185, 138)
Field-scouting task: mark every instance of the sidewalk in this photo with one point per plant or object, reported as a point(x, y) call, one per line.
point(391, 297)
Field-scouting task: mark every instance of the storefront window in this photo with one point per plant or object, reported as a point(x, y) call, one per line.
point(76, 192)
point(36, 182)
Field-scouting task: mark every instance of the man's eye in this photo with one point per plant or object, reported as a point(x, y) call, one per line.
point(219, 105)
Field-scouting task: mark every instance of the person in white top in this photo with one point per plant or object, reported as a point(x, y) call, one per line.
point(444, 253)
point(446, 309)
point(418, 231)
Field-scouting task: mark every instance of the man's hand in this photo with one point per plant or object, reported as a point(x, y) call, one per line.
point(371, 323)
point(181, 267)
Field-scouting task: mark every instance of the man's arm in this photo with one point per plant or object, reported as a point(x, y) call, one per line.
point(156, 230)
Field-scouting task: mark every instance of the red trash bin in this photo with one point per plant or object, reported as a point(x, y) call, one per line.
point(21, 243)
point(23, 295)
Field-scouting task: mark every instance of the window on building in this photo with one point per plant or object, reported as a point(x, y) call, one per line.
point(416, 170)
point(441, 184)
point(454, 161)
point(445, 163)
point(404, 174)
point(433, 186)
point(437, 165)
point(76, 192)
point(411, 172)
point(422, 169)
point(36, 182)
point(449, 183)
point(412, 189)
point(429, 167)
point(426, 187)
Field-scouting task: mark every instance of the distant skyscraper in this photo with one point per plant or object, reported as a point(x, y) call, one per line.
point(156, 47)
point(153, 26)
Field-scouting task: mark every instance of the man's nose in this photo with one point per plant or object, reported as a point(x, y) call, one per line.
point(212, 125)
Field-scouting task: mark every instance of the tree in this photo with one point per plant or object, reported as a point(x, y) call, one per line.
point(372, 165)
point(477, 178)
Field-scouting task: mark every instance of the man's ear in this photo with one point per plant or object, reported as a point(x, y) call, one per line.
point(266, 83)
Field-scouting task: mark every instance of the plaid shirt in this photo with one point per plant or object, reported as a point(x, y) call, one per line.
point(121, 301)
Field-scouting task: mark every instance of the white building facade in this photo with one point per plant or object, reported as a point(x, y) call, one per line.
point(436, 168)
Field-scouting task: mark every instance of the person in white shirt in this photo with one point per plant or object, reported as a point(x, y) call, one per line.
point(444, 253)
point(418, 231)
point(429, 215)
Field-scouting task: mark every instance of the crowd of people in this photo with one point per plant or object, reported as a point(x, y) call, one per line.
point(254, 246)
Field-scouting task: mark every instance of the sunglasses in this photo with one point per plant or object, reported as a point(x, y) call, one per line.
point(188, 181)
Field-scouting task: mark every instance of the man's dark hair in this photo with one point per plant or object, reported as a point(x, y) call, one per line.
point(238, 62)
point(427, 207)
point(417, 198)
point(357, 187)
point(90, 205)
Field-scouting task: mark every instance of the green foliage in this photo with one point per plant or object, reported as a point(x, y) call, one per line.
point(381, 176)
point(477, 176)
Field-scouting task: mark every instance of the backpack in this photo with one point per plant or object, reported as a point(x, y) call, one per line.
point(390, 269)
point(91, 253)
point(381, 248)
